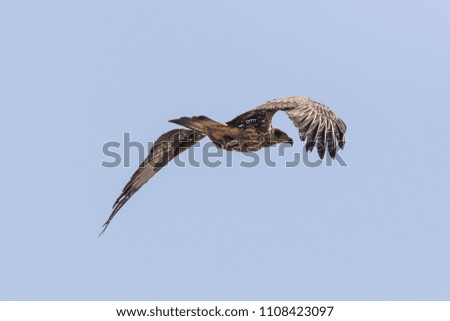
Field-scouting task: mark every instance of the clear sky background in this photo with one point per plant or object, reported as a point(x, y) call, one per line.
point(77, 74)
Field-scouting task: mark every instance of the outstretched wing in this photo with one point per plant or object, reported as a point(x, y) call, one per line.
point(166, 147)
point(317, 123)
point(259, 119)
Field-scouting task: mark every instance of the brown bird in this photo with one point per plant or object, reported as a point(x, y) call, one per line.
point(249, 132)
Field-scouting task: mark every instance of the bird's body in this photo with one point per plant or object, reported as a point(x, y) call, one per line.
point(250, 137)
point(248, 132)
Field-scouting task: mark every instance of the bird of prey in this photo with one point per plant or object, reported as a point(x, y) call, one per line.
point(249, 132)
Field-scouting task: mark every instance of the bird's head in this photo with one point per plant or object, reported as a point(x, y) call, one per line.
point(278, 136)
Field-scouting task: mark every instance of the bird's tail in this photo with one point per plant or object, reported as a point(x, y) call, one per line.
point(198, 123)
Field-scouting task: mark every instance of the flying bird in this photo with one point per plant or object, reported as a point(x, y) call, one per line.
point(249, 132)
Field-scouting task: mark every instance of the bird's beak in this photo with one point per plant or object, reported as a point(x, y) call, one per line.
point(290, 141)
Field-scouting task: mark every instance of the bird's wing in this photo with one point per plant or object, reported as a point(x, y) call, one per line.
point(255, 118)
point(166, 147)
point(317, 123)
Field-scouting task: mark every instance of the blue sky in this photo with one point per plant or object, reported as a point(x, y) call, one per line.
point(77, 74)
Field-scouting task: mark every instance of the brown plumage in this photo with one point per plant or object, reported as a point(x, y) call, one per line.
point(251, 131)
